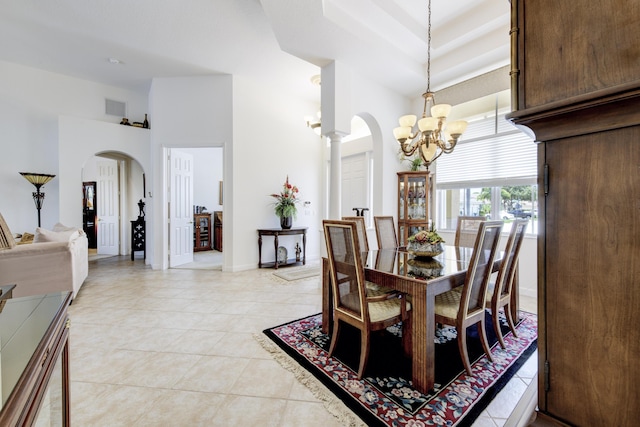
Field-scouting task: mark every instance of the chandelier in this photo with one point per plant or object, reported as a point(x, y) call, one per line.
point(434, 135)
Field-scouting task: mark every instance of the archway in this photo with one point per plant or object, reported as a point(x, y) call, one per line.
point(116, 183)
point(82, 139)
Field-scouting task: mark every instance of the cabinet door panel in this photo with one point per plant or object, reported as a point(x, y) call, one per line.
point(592, 290)
point(562, 59)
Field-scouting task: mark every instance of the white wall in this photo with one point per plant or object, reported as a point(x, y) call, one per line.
point(79, 140)
point(380, 108)
point(271, 141)
point(30, 102)
point(187, 112)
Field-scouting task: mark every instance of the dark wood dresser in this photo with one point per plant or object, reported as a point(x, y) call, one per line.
point(576, 87)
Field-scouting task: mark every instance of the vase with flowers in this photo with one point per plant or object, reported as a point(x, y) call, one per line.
point(285, 204)
point(425, 243)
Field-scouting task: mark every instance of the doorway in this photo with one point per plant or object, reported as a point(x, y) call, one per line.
point(205, 209)
point(89, 213)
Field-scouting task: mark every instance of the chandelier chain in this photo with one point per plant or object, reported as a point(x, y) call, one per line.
point(430, 140)
point(429, 48)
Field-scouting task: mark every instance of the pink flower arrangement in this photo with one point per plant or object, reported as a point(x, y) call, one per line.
point(286, 200)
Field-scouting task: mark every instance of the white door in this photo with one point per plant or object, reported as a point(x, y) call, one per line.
point(108, 208)
point(354, 184)
point(180, 208)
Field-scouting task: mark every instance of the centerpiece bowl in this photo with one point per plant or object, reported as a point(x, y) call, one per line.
point(425, 244)
point(425, 249)
point(425, 267)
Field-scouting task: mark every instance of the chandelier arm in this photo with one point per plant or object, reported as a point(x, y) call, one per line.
point(449, 149)
point(408, 148)
point(433, 159)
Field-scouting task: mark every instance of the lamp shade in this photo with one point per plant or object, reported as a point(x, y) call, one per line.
point(428, 124)
point(440, 110)
point(408, 120)
point(457, 128)
point(402, 133)
point(37, 179)
point(428, 153)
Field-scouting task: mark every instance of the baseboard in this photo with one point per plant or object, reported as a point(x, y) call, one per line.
point(525, 409)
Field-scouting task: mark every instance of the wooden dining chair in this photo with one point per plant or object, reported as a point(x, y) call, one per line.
point(372, 288)
point(351, 304)
point(499, 292)
point(386, 232)
point(362, 231)
point(465, 307)
point(467, 229)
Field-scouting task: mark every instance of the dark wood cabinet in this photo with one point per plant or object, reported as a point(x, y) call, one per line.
point(89, 213)
point(415, 203)
point(202, 232)
point(217, 231)
point(138, 237)
point(577, 92)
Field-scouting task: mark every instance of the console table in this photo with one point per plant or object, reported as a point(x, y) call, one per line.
point(34, 355)
point(275, 232)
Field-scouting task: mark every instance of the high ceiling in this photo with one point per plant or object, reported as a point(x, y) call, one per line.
point(282, 42)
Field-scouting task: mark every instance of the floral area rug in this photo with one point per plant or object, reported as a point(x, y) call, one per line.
point(385, 396)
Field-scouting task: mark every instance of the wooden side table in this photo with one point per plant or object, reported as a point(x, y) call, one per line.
point(276, 232)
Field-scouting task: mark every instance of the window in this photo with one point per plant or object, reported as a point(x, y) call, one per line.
point(505, 203)
point(491, 173)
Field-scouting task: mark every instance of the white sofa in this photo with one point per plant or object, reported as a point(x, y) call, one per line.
point(56, 261)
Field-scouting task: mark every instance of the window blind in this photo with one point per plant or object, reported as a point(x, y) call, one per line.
point(486, 157)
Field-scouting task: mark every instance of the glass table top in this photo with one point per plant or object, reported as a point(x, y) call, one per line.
point(23, 323)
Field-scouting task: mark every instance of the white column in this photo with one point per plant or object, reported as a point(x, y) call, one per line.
point(336, 123)
point(335, 187)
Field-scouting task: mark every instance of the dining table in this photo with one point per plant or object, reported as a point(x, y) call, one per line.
point(422, 279)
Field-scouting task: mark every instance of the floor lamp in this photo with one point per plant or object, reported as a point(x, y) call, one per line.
point(38, 179)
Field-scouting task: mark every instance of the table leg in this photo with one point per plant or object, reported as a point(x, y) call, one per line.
point(259, 250)
point(275, 246)
point(304, 248)
point(423, 324)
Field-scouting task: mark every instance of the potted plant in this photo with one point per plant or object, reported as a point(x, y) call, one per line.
point(426, 243)
point(285, 205)
point(414, 161)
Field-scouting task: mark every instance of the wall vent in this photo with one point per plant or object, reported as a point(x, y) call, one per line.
point(115, 108)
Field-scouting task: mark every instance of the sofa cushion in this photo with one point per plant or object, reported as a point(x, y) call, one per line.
point(26, 238)
point(44, 235)
point(61, 227)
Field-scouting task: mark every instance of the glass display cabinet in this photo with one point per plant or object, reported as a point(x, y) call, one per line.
point(415, 203)
point(202, 232)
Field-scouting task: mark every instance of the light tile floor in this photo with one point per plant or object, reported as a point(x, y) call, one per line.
point(176, 348)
